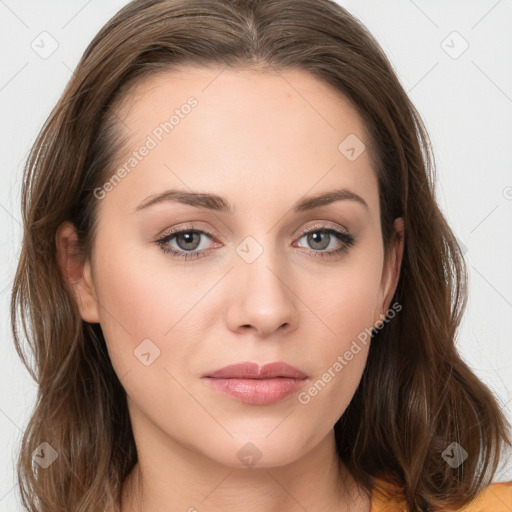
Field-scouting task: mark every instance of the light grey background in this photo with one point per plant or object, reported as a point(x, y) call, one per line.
point(464, 97)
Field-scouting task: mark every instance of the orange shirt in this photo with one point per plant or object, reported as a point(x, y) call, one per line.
point(497, 497)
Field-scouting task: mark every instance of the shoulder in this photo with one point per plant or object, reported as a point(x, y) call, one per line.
point(387, 497)
point(496, 497)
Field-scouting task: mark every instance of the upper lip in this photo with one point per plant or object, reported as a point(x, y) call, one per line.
point(250, 370)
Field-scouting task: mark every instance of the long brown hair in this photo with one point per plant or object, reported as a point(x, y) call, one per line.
point(416, 395)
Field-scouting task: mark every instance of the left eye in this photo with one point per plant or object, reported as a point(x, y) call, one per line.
point(320, 239)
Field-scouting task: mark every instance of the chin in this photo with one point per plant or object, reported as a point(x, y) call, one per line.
point(260, 450)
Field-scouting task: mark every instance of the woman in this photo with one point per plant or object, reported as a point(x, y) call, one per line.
point(237, 285)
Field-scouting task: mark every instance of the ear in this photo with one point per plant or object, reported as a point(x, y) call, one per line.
point(76, 271)
point(391, 269)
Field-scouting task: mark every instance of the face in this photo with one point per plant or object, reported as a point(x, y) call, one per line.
point(257, 272)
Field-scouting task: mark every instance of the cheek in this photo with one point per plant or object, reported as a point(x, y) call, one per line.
point(347, 308)
point(136, 303)
point(346, 297)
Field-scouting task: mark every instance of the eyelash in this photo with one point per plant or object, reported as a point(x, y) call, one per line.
point(345, 237)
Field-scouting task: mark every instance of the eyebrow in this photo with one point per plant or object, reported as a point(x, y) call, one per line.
point(220, 204)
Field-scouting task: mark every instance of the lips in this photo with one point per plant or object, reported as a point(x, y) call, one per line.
point(248, 370)
point(258, 385)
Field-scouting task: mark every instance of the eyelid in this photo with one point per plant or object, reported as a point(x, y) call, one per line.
point(326, 225)
point(194, 227)
point(184, 228)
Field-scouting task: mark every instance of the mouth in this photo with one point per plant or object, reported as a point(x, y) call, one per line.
point(258, 385)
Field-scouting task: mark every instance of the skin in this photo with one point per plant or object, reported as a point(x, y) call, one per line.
point(263, 145)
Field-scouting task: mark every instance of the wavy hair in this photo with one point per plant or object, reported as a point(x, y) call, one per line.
point(416, 395)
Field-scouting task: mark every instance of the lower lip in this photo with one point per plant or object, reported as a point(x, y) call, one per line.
point(257, 391)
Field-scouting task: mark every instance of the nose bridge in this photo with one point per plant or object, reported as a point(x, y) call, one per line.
point(260, 263)
point(263, 298)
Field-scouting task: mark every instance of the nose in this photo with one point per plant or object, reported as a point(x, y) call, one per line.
point(262, 298)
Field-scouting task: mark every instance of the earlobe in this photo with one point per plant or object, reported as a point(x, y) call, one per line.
point(76, 271)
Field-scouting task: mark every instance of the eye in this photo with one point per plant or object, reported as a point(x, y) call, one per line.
point(320, 238)
point(188, 241)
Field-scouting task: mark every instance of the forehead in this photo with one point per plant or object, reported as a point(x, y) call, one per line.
point(241, 130)
point(212, 81)
point(259, 102)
